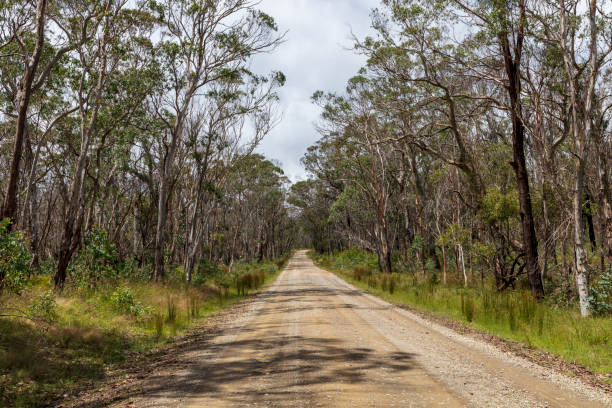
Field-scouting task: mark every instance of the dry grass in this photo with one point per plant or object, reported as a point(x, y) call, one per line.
point(86, 335)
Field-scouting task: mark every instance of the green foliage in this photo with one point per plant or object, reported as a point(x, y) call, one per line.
point(97, 263)
point(44, 307)
point(354, 257)
point(454, 233)
point(123, 301)
point(601, 295)
point(499, 206)
point(418, 243)
point(14, 259)
point(205, 271)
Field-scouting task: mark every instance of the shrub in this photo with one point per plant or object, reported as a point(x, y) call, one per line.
point(243, 283)
point(600, 300)
point(97, 262)
point(14, 259)
point(123, 301)
point(206, 270)
point(259, 277)
point(44, 307)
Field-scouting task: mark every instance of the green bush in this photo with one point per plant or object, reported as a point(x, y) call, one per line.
point(44, 307)
point(205, 271)
point(601, 295)
point(98, 261)
point(14, 259)
point(123, 301)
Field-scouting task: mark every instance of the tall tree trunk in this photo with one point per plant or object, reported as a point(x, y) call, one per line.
point(513, 71)
point(580, 259)
point(76, 208)
point(72, 220)
point(158, 271)
point(462, 265)
point(443, 265)
point(194, 237)
point(581, 138)
point(9, 207)
point(606, 197)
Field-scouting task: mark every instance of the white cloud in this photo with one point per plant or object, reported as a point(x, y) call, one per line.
point(314, 57)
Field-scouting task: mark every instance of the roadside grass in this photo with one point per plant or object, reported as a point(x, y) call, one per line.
point(512, 315)
point(76, 337)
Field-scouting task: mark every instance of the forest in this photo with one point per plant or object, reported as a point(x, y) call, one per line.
point(480, 150)
point(127, 153)
point(467, 166)
point(137, 126)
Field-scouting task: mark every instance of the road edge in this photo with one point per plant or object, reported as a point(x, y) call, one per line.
point(532, 355)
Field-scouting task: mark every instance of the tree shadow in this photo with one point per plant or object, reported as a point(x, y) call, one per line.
point(311, 360)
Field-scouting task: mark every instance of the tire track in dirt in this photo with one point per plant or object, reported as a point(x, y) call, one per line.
point(312, 340)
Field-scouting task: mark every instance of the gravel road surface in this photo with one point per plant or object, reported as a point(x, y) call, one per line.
point(312, 340)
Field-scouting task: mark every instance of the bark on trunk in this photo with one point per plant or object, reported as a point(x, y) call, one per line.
point(513, 72)
point(606, 194)
point(580, 259)
point(158, 271)
point(9, 207)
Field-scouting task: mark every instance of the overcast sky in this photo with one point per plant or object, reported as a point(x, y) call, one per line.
point(314, 57)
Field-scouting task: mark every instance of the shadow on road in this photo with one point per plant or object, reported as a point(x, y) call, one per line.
point(260, 360)
point(310, 363)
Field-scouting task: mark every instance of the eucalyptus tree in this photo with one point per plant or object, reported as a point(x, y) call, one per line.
point(468, 73)
point(203, 43)
point(354, 122)
point(237, 113)
point(106, 96)
point(48, 25)
point(583, 65)
point(507, 22)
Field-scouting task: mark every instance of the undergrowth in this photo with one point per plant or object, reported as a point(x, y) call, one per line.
point(512, 314)
point(71, 340)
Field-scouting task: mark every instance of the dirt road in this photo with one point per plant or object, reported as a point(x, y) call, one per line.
point(311, 340)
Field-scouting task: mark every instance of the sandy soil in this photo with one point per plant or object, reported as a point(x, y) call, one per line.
point(312, 340)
